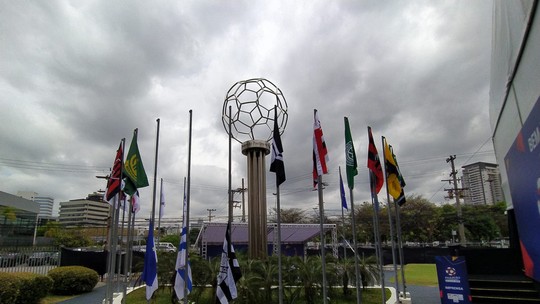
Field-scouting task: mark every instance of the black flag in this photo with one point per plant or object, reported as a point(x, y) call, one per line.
point(277, 165)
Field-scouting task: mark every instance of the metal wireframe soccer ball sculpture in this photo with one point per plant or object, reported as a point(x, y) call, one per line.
point(252, 105)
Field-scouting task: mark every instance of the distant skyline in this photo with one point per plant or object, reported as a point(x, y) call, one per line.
point(76, 78)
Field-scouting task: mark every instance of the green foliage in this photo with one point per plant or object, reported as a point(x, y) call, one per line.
point(9, 287)
point(33, 288)
point(70, 238)
point(70, 280)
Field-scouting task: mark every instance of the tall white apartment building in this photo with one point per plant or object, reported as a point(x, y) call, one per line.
point(46, 203)
point(482, 184)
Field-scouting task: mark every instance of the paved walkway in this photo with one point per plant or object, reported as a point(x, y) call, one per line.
point(96, 296)
point(419, 294)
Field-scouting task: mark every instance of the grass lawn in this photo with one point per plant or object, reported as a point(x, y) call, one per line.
point(420, 274)
point(163, 296)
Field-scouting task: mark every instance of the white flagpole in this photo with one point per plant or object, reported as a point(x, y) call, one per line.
point(323, 257)
point(160, 211)
point(378, 247)
point(390, 222)
point(280, 277)
point(153, 216)
point(187, 207)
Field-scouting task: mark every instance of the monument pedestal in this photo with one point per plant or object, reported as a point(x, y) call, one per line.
point(256, 151)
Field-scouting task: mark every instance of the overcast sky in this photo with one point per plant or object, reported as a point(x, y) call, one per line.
point(78, 76)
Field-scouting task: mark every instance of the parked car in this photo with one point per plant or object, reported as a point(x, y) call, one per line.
point(164, 246)
point(54, 258)
point(11, 259)
point(39, 258)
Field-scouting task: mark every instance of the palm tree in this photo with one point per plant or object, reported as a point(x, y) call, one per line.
point(309, 271)
point(369, 271)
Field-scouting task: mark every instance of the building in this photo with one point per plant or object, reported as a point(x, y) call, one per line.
point(482, 184)
point(91, 211)
point(17, 220)
point(515, 115)
point(45, 203)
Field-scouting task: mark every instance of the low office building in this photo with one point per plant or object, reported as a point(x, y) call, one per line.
point(91, 211)
point(45, 203)
point(18, 218)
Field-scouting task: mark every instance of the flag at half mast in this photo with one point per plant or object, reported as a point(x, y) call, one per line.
point(229, 272)
point(114, 182)
point(350, 156)
point(133, 168)
point(277, 165)
point(320, 153)
point(394, 179)
point(374, 166)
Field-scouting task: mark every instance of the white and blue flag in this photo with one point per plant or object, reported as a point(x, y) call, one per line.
point(182, 261)
point(149, 275)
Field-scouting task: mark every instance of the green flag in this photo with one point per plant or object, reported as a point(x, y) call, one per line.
point(350, 156)
point(134, 169)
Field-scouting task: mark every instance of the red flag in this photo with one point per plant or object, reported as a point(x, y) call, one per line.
point(113, 184)
point(320, 154)
point(374, 165)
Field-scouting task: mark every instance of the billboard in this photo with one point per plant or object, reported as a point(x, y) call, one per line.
point(523, 169)
point(453, 280)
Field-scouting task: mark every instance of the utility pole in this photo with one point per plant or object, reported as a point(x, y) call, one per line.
point(210, 216)
point(461, 228)
point(241, 190)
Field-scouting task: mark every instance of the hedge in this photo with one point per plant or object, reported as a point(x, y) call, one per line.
point(72, 280)
point(10, 287)
point(33, 288)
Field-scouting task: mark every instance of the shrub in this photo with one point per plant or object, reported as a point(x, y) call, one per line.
point(71, 280)
point(33, 287)
point(9, 287)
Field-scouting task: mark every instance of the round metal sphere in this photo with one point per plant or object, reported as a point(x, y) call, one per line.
point(252, 105)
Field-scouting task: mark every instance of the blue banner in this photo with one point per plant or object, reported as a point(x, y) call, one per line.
point(453, 280)
point(523, 169)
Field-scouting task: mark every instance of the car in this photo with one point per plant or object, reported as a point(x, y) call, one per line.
point(39, 258)
point(166, 247)
point(10, 259)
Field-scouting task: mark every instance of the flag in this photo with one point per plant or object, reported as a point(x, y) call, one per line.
point(342, 192)
point(350, 156)
point(401, 198)
point(181, 265)
point(374, 165)
point(134, 169)
point(229, 272)
point(113, 183)
point(161, 201)
point(392, 179)
point(277, 165)
point(320, 153)
point(149, 274)
point(135, 204)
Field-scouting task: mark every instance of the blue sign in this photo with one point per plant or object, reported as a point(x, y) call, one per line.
point(453, 280)
point(523, 169)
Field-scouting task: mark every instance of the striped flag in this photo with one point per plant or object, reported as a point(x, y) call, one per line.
point(161, 201)
point(149, 274)
point(277, 165)
point(395, 180)
point(229, 272)
point(181, 265)
point(320, 153)
point(374, 165)
point(342, 192)
point(114, 181)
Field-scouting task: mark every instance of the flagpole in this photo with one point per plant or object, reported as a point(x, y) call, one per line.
point(323, 255)
point(280, 276)
point(188, 197)
point(153, 215)
point(400, 248)
point(114, 234)
point(159, 212)
point(127, 271)
point(230, 170)
point(155, 174)
point(390, 222)
point(375, 202)
point(356, 266)
point(119, 264)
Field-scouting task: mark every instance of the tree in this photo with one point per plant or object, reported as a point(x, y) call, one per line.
point(419, 219)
